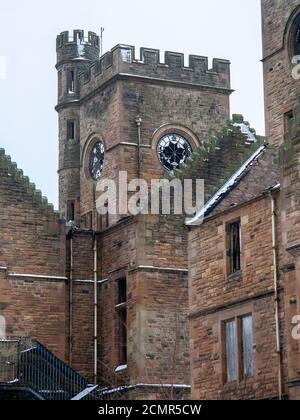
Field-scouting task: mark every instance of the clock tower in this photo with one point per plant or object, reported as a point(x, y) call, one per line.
point(142, 115)
point(122, 113)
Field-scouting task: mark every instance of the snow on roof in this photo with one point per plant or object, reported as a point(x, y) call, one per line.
point(85, 393)
point(225, 189)
point(246, 130)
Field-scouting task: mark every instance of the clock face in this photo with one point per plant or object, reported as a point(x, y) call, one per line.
point(172, 151)
point(96, 160)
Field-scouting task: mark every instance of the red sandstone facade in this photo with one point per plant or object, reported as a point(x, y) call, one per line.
point(264, 286)
point(74, 279)
point(72, 264)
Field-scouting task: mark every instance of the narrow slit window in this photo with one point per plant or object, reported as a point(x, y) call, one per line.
point(121, 310)
point(288, 116)
point(105, 217)
point(234, 253)
point(99, 223)
point(231, 351)
point(71, 82)
point(71, 210)
point(71, 130)
point(247, 347)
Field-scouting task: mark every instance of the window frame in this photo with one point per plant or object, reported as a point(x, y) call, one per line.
point(239, 351)
point(243, 374)
point(71, 82)
point(121, 322)
point(294, 29)
point(225, 324)
point(287, 116)
point(71, 129)
point(229, 257)
point(71, 210)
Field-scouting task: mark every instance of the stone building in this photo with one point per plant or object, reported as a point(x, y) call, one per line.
point(244, 247)
point(149, 306)
point(107, 293)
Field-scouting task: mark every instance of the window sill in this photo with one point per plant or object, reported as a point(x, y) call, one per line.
point(232, 386)
point(237, 276)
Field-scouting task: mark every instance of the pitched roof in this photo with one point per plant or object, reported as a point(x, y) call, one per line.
point(258, 174)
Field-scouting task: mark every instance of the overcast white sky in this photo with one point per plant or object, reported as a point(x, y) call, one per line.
point(228, 29)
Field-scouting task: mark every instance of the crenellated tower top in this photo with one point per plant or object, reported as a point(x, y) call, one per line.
point(77, 46)
point(121, 61)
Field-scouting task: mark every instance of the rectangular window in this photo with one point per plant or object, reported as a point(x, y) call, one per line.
point(105, 217)
point(288, 116)
point(121, 311)
point(234, 247)
point(71, 130)
point(71, 210)
point(88, 220)
point(238, 354)
point(231, 351)
point(99, 223)
point(59, 83)
point(247, 346)
point(71, 81)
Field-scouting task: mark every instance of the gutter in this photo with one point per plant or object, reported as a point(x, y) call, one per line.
point(95, 309)
point(138, 121)
point(71, 301)
point(276, 295)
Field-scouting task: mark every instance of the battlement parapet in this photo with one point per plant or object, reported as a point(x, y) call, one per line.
point(121, 60)
point(12, 171)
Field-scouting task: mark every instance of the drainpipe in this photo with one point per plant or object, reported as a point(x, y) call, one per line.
point(95, 310)
point(139, 121)
point(71, 300)
point(276, 297)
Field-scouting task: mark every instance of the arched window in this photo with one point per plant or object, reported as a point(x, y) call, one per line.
point(2, 327)
point(295, 36)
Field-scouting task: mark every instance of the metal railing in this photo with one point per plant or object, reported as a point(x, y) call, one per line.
point(9, 360)
point(29, 363)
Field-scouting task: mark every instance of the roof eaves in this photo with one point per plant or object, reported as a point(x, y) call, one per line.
point(226, 188)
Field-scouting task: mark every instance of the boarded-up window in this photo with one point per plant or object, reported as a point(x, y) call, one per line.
point(2, 327)
point(247, 346)
point(231, 350)
point(238, 353)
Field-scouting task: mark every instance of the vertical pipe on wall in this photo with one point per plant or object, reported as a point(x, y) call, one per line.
point(95, 310)
point(276, 295)
point(71, 300)
point(138, 121)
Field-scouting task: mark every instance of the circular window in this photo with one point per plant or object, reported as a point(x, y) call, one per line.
point(172, 151)
point(96, 160)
